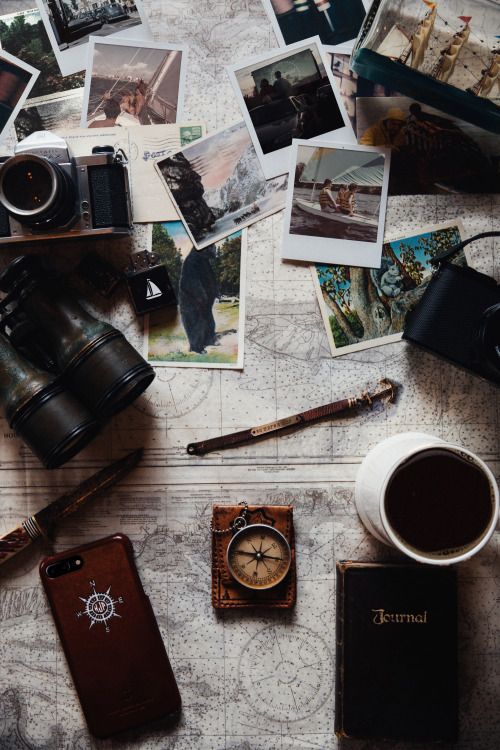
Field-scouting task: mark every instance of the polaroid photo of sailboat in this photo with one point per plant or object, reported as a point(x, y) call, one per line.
point(286, 94)
point(336, 203)
point(133, 83)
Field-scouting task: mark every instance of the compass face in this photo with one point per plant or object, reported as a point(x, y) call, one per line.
point(258, 556)
point(100, 607)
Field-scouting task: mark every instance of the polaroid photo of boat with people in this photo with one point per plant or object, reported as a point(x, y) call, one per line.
point(337, 197)
point(129, 83)
point(288, 94)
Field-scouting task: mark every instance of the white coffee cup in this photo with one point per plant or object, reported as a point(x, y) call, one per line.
point(377, 470)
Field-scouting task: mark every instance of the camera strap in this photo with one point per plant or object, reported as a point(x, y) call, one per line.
point(454, 249)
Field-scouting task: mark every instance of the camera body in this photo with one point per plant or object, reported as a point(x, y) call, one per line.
point(458, 318)
point(47, 194)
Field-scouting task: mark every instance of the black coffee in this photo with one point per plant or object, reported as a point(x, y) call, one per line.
point(438, 501)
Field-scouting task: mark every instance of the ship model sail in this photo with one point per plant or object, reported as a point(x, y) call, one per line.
point(427, 49)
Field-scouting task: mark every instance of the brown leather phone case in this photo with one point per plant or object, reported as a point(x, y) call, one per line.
point(111, 639)
point(228, 593)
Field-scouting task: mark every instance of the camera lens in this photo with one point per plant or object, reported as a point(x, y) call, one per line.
point(36, 191)
point(490, 337)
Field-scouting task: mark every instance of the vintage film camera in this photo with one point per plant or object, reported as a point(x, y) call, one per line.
point(63, 372)
point(458, 316)
point(46, 194)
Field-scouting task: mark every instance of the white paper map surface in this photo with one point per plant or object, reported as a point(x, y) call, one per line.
point(165, 505)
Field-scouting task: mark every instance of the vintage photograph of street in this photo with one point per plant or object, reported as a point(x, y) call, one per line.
point(218, 186)
point(206, 327)
point(333, 21)
point(285, 96)
point(365, 307)
point(130, 84)
point(69, 23)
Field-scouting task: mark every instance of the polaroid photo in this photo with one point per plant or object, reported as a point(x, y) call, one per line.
point(289, 94)
point(333, 21)
point(61, 110)
point(69, 25)
point(206, 329)
point(432, 153)
point(337, 196)
point(16, 81)
point(351, 86)
point(129, 83)
point(365, 307)
point(218, 186)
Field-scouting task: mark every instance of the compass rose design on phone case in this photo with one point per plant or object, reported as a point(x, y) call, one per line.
point(100, 607)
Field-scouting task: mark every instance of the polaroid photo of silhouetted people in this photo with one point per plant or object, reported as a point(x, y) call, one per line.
point(336, 202)
point(217, 185)
point(334, 21)
point(129, 83)
point(206, 328)
point(16, 81)
point(289, 95)
point(69, 25)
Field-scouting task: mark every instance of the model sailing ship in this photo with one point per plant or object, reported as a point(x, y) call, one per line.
point(456, 61)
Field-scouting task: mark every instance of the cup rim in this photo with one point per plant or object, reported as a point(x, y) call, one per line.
point(430, 559)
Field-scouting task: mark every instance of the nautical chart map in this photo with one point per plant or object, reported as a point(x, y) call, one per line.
point(165, 506)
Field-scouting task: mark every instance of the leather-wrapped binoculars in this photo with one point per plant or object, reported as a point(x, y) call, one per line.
point(63, 372)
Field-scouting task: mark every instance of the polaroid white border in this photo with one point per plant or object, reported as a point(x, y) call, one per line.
point(238, 365)
point(393, 337)
point(251, 220)
point(349, 44)
point(34, 75)
point(277, 162)
point(330, 250)
point(74, 59)
point(150, 44)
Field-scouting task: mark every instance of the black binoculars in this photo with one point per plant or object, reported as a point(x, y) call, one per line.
point(63, 373)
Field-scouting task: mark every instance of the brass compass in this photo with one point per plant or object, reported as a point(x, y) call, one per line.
point(258, 556)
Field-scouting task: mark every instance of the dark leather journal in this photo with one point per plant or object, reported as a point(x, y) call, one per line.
point(396, 652)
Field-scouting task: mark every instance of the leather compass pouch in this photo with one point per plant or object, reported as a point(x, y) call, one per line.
point(110, 636)
point(253, 561)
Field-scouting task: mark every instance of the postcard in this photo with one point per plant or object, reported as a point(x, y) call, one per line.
point(130, 83)
point(142, 145)
point(206, 329)
point(289, 95)
point(337, 196)
point(69, 25)
point(334, 22)
point(365, 307)
point(217, 185)
point(431, 152)
point(16, 81)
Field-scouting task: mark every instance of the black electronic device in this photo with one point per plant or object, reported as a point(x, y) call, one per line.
point(458, 316)
point(47, 194)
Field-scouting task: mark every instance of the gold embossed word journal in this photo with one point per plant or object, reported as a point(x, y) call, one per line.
point(253, 556)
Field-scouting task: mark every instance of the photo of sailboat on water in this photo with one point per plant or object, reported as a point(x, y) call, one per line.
point(129, 84)
point(337, 197)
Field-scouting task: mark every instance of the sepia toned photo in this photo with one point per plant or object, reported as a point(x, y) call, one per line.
point(365, 307)
point(336, 198)
point(206, 328)
point(69, 25)
point(16, 81)
point(128, 84)
point(217, 185)
point(285, 96)
point(333, 21)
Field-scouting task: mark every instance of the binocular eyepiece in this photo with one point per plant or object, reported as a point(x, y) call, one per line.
point(62, 371)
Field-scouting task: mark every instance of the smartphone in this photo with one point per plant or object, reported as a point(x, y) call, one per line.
point(110, 636)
